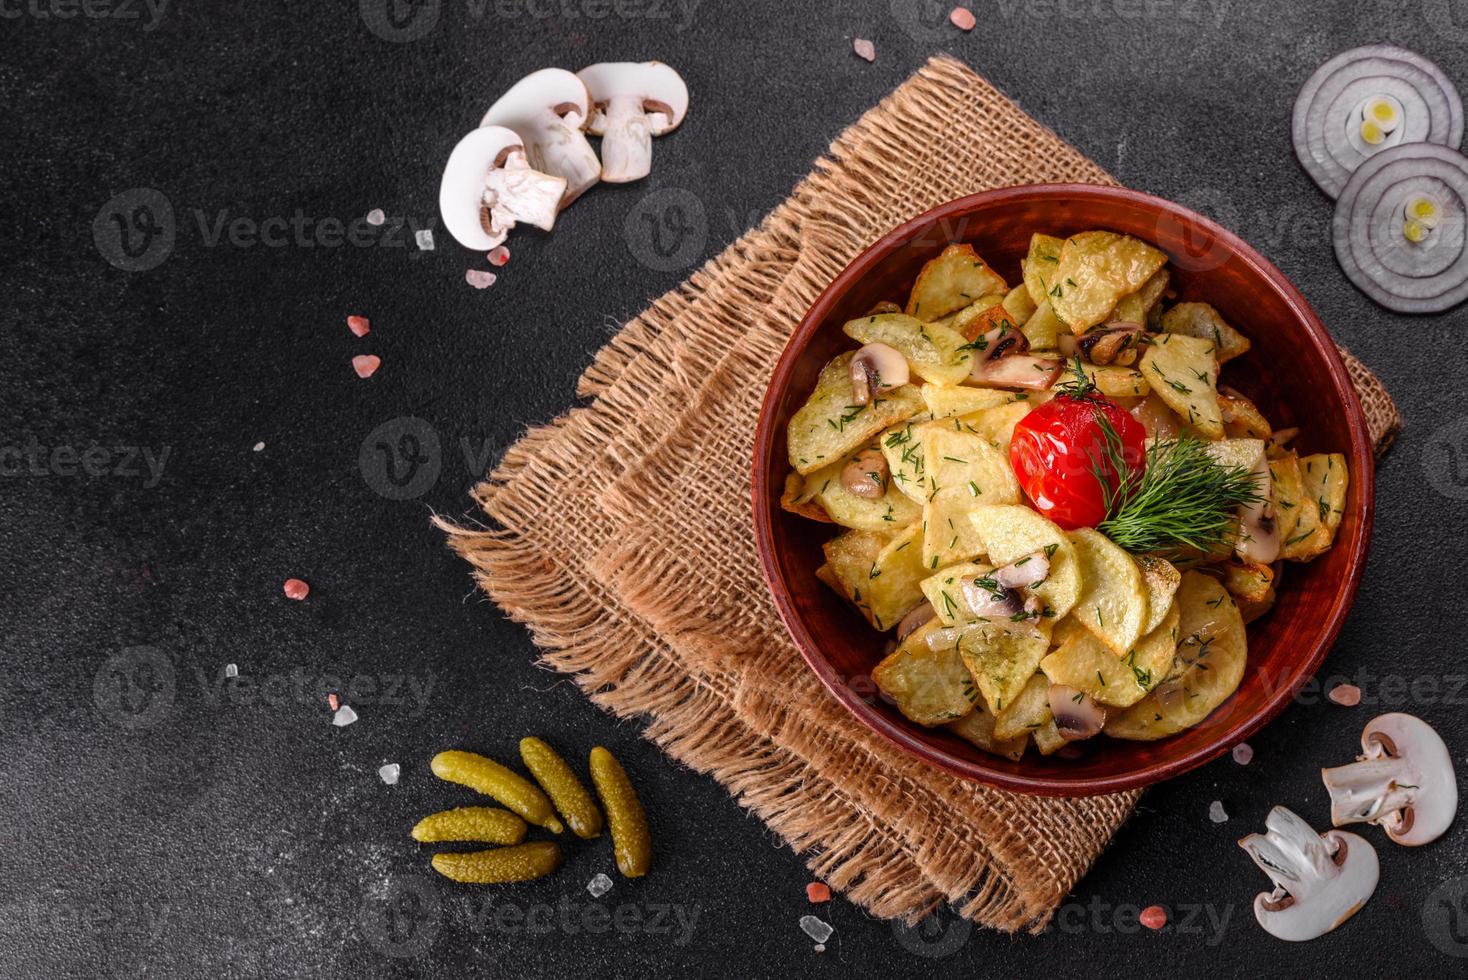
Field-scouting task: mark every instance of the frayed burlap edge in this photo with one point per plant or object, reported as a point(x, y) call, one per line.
point(599, 512)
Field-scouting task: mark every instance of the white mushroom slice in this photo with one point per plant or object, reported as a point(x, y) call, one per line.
point(632, 103)
point(909, 623)
point(987, 599)
point(1077, 715)
point(876, 368)
point(488, 186)
point(548, 109)
point(1028, 572)
point(1320, 880)
point(1403, 781)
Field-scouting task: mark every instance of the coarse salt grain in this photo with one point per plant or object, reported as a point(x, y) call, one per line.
point(864, 49)
point(479, 279)
point(599, 885)
point(820, 947)
point(344, 716)
point(818, 891)
point(1216, 812)
point(1345, 695)
point(815, 928)
point(389, 773)
point(376, 217)
point(1153, 917)
point(498, 255)
point(258, 447)
point(962, 18)
point(359, 325)
point(231, 670)
point(332, 702)
point(366, 365)
point(294, 588)
point(1243, 753)
point(424, 238)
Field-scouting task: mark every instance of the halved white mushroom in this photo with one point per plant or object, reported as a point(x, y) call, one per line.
point(1320, 880)
point(865, 474)
point(488, 186)
point(1077, 714)
point(1002, 360)
point(548, 109)
point(1258, 524)
point(1403, 781)
point(876, 368)
point(633, 102)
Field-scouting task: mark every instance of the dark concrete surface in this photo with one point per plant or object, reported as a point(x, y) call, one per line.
point(158, 821)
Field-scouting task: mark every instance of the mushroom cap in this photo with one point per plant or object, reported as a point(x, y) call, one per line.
point(461, 191)
point(1435, 801)
point(652, 81)
point(1320, 880)
point(524, 107)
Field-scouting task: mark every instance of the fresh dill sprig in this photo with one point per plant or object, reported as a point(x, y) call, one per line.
point(1182, 499)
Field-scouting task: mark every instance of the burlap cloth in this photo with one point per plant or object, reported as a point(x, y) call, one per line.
point(621, 535)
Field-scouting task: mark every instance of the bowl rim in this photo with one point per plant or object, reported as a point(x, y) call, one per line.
point(1363, 478)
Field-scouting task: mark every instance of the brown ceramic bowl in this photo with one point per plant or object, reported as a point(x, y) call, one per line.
point(1293, 373)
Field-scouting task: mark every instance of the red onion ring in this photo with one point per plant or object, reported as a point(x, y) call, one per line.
point(1432, 110)
point(1367, 229)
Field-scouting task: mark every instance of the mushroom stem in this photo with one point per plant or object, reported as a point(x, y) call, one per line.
point(1258, 529)
point(626, 149)
point(563, 151)
point(1365, 792)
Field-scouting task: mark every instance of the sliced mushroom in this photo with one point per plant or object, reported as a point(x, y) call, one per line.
point(1077, 714)
point(1110, 342)
point(633, 102)
point(548, 109)
point(883, 307)
point(987, 599)
point(1159, 421)
point(1320, 880)
point(1258, 527)
point(909, 623)
point(1403, 781)
point(876, 368)
point(865, 474)
point(488, 186)
point(1002, 360)
point(1027, 572)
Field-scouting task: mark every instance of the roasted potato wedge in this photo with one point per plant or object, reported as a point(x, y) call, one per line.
point(1324, 478)
point(964, 469)
point(1040, 266)
point(795, 501)
point(952, 281)
point(1161, 578)
point(1242, 418)
point(1117, 382)
point(1135, 307)
point(977, 727)
point(931, 687)
point(933, 352)
point(1096, 269)
point(944, 402)
point(1247, 580)
point(1207, 668)
point(1002, 657)
point(888, 513)
point(1288, 490)
point(1088, 665)
point(881, 576)
point(1019, 304)
point(1204, 322)
point(995, 424)
point(1029, 711)
point(1113, 599)
point(830, 425)
point(1043, 329)
point(1184, 374)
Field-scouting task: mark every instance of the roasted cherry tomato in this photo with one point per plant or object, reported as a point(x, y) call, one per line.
point(1059, 449)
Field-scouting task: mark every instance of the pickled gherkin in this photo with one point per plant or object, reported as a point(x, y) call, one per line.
point(502, 864)
point(494, 780)
point(562, 786)
point(631, 841)
point(471, 823)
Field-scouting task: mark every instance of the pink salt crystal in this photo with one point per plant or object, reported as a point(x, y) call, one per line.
point(1243, 753)
point(479, 279)
point(366, 365)
point(499, 255)
point(1153, 917)
point(332, 702)
point(359, 325)
point(1345, 695)
point(864, 49)
point(962, 18)
point(296, 589)
point(376, 217)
